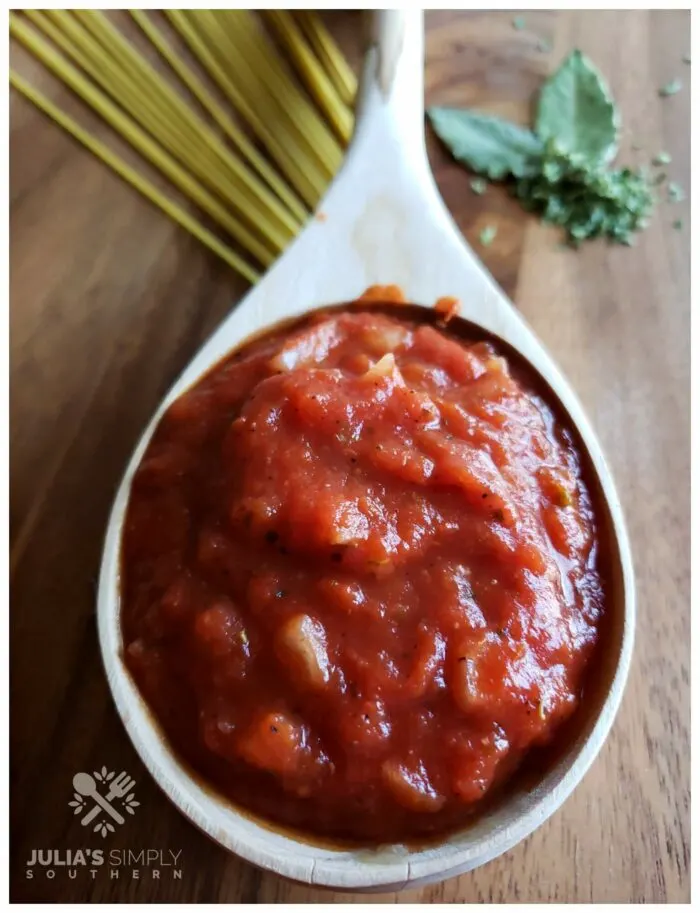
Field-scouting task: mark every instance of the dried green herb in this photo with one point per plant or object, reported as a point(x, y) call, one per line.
point(675, 193)
point(559, 170)
point(576, 110)
point(671, 88)
point(487, 234)
point(488, 145)
point(587, 202)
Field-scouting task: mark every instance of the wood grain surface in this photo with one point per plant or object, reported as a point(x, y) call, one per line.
point(108, 303)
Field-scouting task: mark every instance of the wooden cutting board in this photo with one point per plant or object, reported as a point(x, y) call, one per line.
point(109, 301)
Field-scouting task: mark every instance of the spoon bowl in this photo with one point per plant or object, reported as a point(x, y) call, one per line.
point(382, 223)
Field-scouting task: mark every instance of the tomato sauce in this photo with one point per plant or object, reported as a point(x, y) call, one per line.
point(360, 575)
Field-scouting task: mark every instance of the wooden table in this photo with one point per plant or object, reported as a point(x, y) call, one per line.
point(109, 301)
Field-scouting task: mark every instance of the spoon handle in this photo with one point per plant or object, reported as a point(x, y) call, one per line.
point(392, 78)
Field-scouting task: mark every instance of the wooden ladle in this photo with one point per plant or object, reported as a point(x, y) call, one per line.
point(384, 223)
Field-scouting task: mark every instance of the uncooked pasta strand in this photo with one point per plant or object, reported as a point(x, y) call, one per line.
point(209, 103)
point(140, 183)
point(312, 72)
point(138, 138)
point(329, 54)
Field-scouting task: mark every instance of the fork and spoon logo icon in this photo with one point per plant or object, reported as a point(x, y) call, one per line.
point(89, 799)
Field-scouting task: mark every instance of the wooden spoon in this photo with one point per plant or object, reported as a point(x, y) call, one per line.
point(383, 222)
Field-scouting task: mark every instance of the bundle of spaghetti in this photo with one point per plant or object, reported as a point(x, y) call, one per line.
point(318, 82)
point(326, 50)
point(201, 148)
point(237, 54)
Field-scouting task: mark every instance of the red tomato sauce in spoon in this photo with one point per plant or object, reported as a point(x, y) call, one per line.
point(360, 575)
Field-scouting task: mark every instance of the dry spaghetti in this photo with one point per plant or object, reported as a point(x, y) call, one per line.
point(203, 123)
